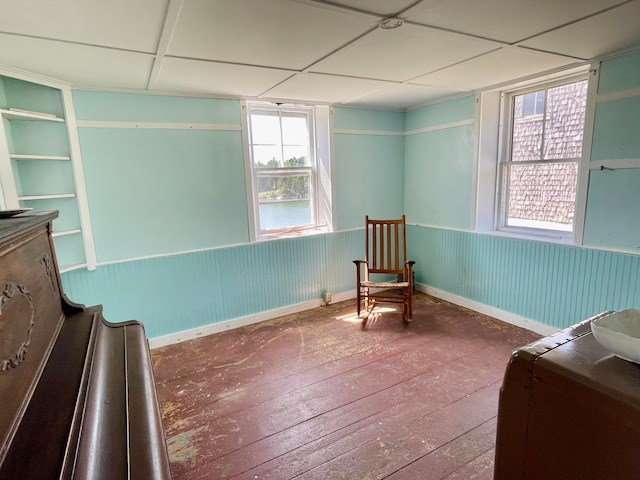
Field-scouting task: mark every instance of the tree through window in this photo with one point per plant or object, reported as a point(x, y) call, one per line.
point(283, 163)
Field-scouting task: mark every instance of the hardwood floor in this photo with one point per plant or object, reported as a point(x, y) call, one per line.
point(314, 396)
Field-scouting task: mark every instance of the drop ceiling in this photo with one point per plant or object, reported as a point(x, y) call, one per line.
point(311, 50)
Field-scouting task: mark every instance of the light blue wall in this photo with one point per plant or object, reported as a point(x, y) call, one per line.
point(613, 203)
point(369, 171)
point(420, 163)
point(176, 293)
point(552, 284)
point(159, 190)
point(156, 191)
point(439, 156)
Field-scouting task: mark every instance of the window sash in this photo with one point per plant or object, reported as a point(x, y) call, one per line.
point(281, 170)
point(506, 162)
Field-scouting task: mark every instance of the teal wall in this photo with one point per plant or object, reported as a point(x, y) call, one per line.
point(157, 191)
point(613, 204)
point(160, 191)
point(552, 284)
point(369, 171)
point(176, 293)
point(439, 156)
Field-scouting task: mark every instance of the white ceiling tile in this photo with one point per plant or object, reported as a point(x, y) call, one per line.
point(402, 53)
point(612, 31)
point(115, 23)
point(401, 97)
point(78, 64)
point(278, 33)
point(313, 87)
point(197, 76)
point(381, 7)
point(504, 65)
point(505, 20)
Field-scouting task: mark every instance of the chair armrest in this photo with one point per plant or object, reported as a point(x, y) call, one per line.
point(366, 270)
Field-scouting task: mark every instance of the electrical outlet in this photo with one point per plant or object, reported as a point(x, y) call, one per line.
point(326, 297)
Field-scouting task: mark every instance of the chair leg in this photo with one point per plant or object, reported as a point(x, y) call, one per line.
point(407, 310)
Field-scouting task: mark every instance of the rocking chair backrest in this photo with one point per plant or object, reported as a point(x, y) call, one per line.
point(385, 245)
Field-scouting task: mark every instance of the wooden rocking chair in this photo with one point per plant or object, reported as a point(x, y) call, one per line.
point(385, 255)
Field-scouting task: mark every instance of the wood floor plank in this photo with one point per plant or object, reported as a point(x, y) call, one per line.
point(452, 456)
point(313, 395)
point(407, 400)
point(400, 444)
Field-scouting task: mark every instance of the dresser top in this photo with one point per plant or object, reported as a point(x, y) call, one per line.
point(14, 226)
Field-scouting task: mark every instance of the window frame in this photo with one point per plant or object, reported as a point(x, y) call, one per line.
point(320, 165)
point(507, 109)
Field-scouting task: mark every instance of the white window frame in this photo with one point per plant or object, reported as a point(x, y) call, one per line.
point(320, 176)
point(504, 152)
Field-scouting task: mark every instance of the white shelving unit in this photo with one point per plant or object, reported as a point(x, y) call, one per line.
point(40, 164)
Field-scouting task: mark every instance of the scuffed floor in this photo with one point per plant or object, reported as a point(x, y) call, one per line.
point(314, 396)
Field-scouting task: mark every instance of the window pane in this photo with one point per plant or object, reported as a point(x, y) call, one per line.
point(282, 187)
point(265, 129)
point(542, 195)
point(295, 130)
point(556, 135)
point(278, 215)
point(284, 201)
point(526, 140)
point(564, 124)
point(296, 157)
point(533, 103)
point(266, 156)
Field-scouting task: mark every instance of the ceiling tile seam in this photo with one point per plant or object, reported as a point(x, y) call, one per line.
point(573, 22)
point(340, 7)
point(529, 78)
point(264, 93)
point(549, 52)
point(174, 8)
point(410, 81)
point(83, 44)
point(311, 65)
point(344, 46)
point(371, 92)
point(225, 62)
point(473, 36)
point(349, 8)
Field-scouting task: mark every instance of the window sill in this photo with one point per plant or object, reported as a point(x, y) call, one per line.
point(534, 235)
point(303, 232)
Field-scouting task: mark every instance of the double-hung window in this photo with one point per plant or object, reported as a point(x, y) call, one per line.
point(541, 156)
point(284, 169)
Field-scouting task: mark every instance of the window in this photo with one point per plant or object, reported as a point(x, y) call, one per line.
point(533, 103)
point(539, 167)
point(285, 178)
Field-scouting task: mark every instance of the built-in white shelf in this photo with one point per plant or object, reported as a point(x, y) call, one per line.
point(19, 156)
point(33, 116)
point(47, 197)
point(63, 233)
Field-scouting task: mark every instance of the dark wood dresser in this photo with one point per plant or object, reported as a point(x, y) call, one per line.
point(77, 393)
point(569, 410)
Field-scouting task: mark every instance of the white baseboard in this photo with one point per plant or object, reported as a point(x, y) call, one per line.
point(505, 316)
point(243, 321)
